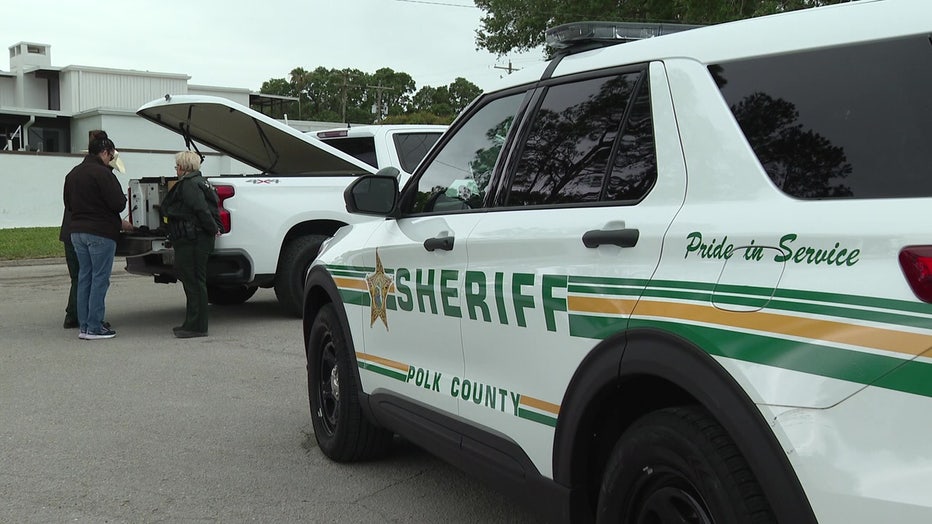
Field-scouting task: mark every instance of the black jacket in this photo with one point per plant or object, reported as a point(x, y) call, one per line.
point(64, 233)
point(187, 202)
point(94, 199)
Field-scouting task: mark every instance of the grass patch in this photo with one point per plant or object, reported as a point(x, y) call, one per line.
point(21, 243)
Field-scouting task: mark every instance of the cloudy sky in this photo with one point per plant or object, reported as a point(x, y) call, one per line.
point(232, 43)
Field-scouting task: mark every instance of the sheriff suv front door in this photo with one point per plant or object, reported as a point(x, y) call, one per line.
point(421, 258)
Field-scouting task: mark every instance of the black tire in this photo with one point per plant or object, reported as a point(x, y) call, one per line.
point(292, 268)
point(342, 430)
point(679, 465)
point(229, 295)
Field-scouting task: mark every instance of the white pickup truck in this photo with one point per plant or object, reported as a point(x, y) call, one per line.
point(275, 219)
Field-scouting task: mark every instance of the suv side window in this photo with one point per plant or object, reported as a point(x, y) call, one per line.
point(412, 147)
point(458, 177)
point(635, 168)
point(590, 141)
point(844, 122)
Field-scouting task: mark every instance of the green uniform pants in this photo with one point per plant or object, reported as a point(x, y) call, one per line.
point(191, 268)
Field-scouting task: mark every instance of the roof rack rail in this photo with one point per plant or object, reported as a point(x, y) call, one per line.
point(595, 34)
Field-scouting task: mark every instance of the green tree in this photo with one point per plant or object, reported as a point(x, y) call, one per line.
point(319, 101)
point(519, 25)
point(434, 100)
point(279, 87)
point(350, 87)
point(462, 92)
point(354, 96)
point(276, 86)
point(333, 95)
point(445, 101)
point(389, 92)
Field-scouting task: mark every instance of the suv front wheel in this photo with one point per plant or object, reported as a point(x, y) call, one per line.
point(342, 431)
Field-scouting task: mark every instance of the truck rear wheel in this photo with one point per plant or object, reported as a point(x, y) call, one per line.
point(229, 295)
point(292, 268)
point(679, 465)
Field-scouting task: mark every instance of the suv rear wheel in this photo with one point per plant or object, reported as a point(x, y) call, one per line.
point(342, 431)
point(679, 465)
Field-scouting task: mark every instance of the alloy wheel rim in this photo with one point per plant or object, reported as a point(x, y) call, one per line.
point(668, 497)
point(329, 391)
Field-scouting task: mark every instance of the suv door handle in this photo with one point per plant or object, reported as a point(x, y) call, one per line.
point(618, 237)
point(444, 243)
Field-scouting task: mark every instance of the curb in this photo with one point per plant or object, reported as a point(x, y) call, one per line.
point(32, 262)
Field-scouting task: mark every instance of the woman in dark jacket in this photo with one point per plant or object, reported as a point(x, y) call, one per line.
point(193, 221)
point(94, 199)
point(71, 258)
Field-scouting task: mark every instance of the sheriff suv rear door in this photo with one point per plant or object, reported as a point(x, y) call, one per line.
point(594, 181)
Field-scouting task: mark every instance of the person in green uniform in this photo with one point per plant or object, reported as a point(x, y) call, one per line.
point(192, 218)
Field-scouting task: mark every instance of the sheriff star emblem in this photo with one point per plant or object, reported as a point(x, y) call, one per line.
point(380, 285)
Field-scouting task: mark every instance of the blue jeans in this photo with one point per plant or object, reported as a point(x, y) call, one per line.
point(95, 262)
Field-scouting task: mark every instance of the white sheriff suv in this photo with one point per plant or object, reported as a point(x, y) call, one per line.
point(683, 279)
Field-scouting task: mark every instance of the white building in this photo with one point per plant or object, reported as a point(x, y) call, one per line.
point(47, 111)
point(50, 109)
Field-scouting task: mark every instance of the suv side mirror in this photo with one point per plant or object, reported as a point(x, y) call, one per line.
point(373, 194)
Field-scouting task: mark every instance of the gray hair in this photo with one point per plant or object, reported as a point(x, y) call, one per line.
point(188, 161)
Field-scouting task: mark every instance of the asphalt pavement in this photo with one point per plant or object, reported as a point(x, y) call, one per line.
point(148, 428)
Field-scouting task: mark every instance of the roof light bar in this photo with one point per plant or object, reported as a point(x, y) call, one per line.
point(576, 33)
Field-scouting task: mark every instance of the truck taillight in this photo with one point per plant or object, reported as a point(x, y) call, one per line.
point(339, 133)
point(916, 262)
point(223, 193)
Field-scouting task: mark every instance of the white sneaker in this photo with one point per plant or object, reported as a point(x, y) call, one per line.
point(82, 335)
point(106, 333)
